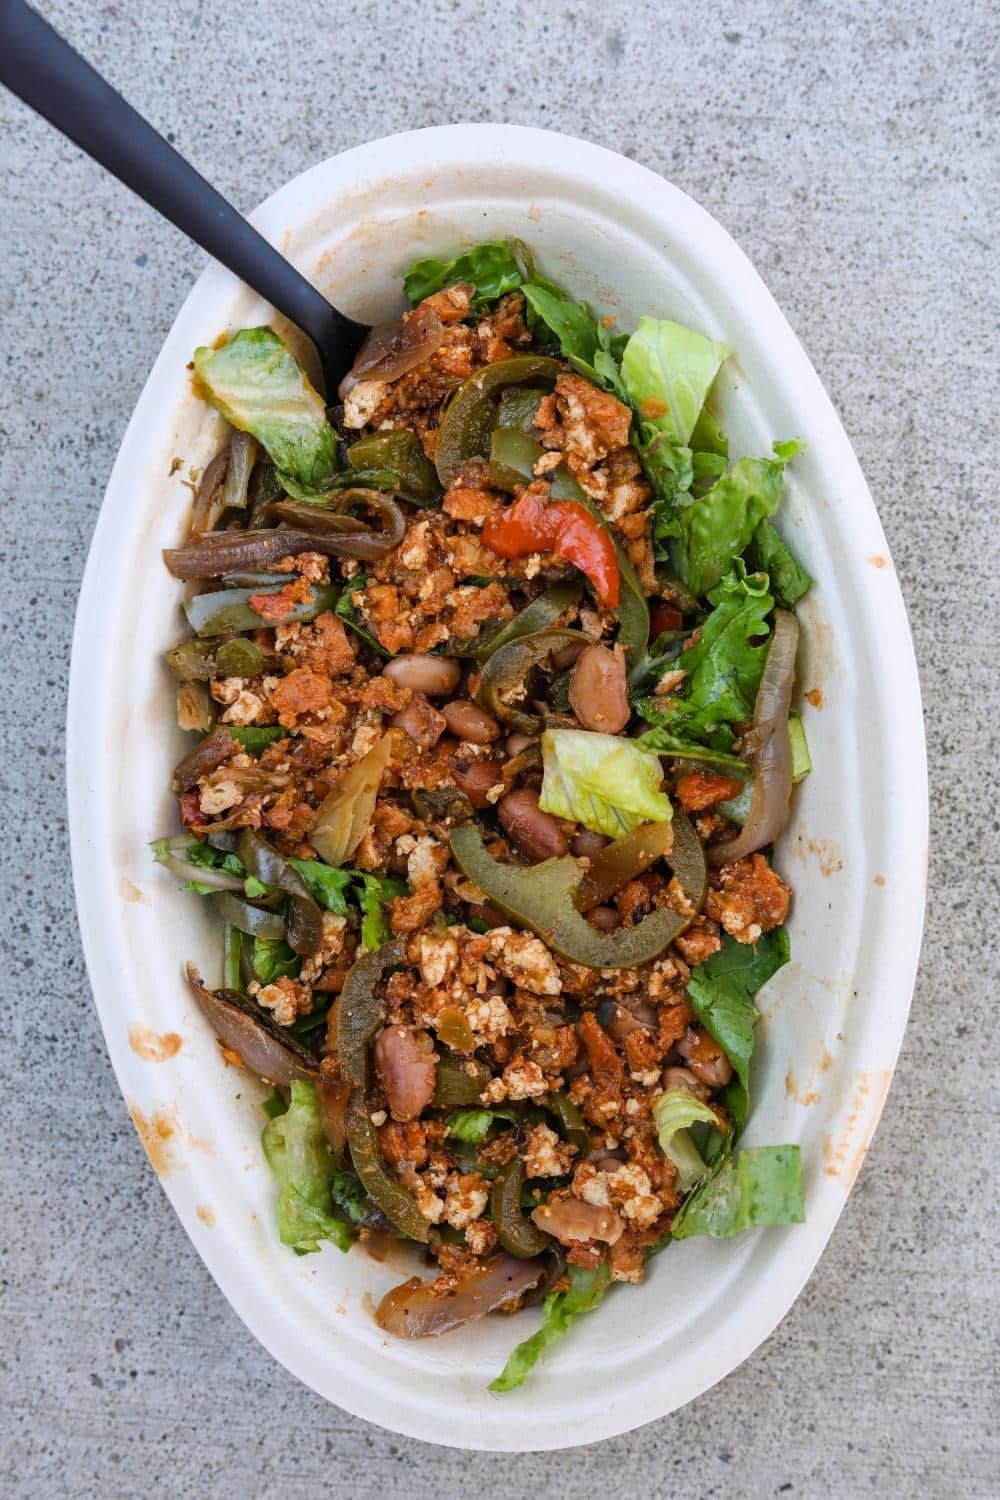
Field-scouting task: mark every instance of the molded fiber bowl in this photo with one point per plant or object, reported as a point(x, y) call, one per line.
point(855, 850)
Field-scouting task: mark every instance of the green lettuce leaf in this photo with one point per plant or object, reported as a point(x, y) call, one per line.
point(375, 892)
point(474, 1124)
point(326, 883)
point(675, 1111)
point(559, 1312)
point(272, 958)
point(662, 742)
point(760, 1185)
point(490, 267)
point(258, 387)
point(256, 737)
point(801, 759)
point(604, 782)
point(571, 322)
point(724, 667)
point(668, 371)
point(769, 554)
point(297, 1153)
point(721, 990)
point(715, 528)
point(346, 610)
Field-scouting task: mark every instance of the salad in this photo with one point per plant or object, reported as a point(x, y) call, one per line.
point(490, 685)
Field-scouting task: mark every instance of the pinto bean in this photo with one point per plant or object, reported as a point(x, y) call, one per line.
point(434, 675)
point(604, 917)
point(586, 844)
point(566, 655)
point(598, 692)
point(515, 743)
point(683, 1078)
point(467, 721)
point(705, 1057)
point(420, 720)
point(407, 1068)
point(536, 833)
point(570, 1220)
point(475, 775)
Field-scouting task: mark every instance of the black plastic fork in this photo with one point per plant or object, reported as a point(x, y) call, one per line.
point(43, 70)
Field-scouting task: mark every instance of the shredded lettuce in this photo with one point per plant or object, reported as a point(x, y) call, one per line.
point(297, 1153)
point(606, 783)
point(273, 958)
point(375, 892)
point(721, 990)
point(474, 1125)
point(256, 737)
point(675, 1111)
point(490, 267)
point(768, 553)
point(801, 759)
point(760, 1185)
point(327, 884)
point(258, 387)
point(559, 1312)
point(723, 667)
point(715, 528)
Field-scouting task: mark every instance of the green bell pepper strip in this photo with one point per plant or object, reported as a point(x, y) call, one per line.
point(362, 1011)
point(258, 921)
point(541, 899)
point(540, 614)
point(192, 661)
point(518, 406)
point(403, 453)
point(398, 1205)
point(228, 610)
point(571, 1123)
point(472, 412)
point(460, 1081)
point(506, 672)
point(513, 457)
point(621, 861)
point(515, 1231)
point(239, 658)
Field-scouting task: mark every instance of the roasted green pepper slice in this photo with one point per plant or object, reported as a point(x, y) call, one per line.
point(518, 406)
point(541, 899)
point(361, 1011)
point(516, 1233)
point(460, 1081)
point(472, 412)
point(621, 861)
point(304, 922)
point(228, 610)
point(540, 614)
point(239, 658)
point(513, 456)
point(505, 674)
point(572, 1125)
point(398, 1205)
point(256, 920)
point(402, 451)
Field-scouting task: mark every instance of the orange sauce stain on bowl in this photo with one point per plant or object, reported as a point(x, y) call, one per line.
point(845, 1150)
point(206, 1214)
point(151, 1046)
point(158, 1134)
point(815, 697)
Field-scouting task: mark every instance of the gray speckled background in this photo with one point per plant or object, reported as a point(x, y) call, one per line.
point(847, 147)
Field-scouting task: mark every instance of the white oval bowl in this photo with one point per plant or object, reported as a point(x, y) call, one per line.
point(855, 851)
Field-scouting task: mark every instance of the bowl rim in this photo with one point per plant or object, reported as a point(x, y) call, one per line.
point(441, 147)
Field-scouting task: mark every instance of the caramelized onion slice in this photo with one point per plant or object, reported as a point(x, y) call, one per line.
point(413, 1311)
point(393, 348)
point(259, 1042)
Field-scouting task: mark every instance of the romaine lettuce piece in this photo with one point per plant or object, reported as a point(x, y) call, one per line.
point(721, 990)
point(723, 667)
point(571, 322)
point(761, 1185)
point(768, 553)
point(668, 371)
point(474, 1125)
point(327, 884)
point(297, 1153)
point(559, 1313)
point(606, 783)
point(674, 1112)
point(273, 958)
point(255, 383)
point(490, 267)
point(801, 759)
point(375, 892)
point(715, 528)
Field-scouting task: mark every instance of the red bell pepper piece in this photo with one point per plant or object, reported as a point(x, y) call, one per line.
point(533, 524)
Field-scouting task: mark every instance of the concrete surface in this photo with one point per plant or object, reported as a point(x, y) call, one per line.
point(847, 146)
